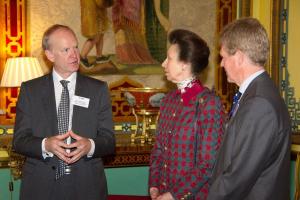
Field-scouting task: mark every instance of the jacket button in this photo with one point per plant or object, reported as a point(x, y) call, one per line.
point(201, 100)
point(53, 167)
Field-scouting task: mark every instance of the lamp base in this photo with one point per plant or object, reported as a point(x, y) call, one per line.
point(144, 134)
point(2, 112)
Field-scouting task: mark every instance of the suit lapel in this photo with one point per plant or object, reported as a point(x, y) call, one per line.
point(80, 90)
point(251, 88)
point(48, 99)
point(250, 91)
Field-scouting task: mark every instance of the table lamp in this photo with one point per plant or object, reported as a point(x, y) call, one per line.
point(18, 70)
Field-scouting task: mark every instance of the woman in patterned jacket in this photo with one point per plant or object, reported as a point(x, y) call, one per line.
point(190, 125)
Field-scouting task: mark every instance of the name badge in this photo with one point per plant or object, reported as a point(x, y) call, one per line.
point(80, 101)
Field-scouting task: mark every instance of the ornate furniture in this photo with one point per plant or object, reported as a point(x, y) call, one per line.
point(145, 105)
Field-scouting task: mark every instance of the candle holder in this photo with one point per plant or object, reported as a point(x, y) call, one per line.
point(145, 104)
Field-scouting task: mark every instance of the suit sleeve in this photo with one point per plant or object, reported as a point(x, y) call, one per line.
point(253, 128)
point(23, 140)
point(105, 139)
point(210, 132)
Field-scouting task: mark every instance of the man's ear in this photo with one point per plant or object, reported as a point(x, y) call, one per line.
point(240, 57)
point(49, 55)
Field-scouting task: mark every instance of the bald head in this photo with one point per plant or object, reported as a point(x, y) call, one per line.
point(46, 44)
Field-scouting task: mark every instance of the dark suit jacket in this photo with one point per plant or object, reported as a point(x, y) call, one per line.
point(37, 119)
point(254, 160)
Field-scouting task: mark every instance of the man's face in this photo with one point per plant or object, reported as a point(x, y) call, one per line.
point(231, 66)
point(63, 52)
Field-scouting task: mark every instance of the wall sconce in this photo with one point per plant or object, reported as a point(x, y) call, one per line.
point(18, 70)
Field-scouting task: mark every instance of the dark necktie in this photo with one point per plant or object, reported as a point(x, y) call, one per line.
point(63, 122)
point(236, 98)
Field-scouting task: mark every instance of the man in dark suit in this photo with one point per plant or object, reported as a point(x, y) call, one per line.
point(254, 160)
point(68, 164)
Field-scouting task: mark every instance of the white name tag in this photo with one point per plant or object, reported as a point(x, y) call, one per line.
point(80, 101)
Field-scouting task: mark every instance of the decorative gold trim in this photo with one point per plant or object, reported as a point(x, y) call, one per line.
point(129, 154)
point(12, 44)
point(226, 12)
point(275, 42)
point(123, 80)
point(145, 89)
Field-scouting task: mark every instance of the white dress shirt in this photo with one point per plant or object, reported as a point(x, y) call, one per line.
point(247, 82)
point(58, 90)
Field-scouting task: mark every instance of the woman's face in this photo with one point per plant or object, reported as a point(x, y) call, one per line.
point(173, 67)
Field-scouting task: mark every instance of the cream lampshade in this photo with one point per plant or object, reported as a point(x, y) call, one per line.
point(20, 69)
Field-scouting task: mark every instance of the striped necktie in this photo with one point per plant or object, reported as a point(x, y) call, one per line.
point(63, 122)
point(234, 106)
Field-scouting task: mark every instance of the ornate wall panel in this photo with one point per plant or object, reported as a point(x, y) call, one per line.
point(121, 109)
point(2, 53)
point(226, 13)
point(284, 76)
point(13, 44)
point(274, 69)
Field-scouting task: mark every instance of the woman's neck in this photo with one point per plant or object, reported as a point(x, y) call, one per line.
point(185, 83)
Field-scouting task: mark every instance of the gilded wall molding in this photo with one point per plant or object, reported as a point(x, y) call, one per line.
point(287, 90)
point(226, 12)
point(13, 44)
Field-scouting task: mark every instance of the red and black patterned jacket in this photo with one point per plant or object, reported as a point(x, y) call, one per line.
point(187, 142)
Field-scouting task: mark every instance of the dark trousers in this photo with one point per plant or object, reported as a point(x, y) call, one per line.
point(63, 189)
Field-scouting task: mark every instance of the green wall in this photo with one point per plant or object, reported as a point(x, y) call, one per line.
point(5, 178)
point(126, 180)
point(292, 179)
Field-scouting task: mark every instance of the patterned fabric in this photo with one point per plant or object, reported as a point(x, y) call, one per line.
point(63, 123)
point(188, 137)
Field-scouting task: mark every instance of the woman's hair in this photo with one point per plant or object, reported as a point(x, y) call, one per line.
point(192, 49)
point(248, 36)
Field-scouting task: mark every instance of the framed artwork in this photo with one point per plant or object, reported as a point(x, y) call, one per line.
point(115, 36)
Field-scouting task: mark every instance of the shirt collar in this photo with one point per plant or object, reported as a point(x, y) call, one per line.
point(57, 78)
point(247, 82)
